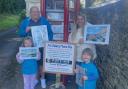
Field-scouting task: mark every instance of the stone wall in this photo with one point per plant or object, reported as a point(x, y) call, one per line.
point(112, 59)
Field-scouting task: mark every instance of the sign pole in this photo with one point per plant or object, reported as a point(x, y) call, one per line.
point(58, 76)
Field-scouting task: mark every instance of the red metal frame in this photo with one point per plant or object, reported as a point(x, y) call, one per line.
point(77, 7)
point(66, 25)
point(66, 14)
point(43, 7)
point(66, 19)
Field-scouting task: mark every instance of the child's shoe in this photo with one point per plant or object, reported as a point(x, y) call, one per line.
point(43, 83)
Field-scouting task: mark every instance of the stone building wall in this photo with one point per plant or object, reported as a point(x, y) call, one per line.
point(112, 59)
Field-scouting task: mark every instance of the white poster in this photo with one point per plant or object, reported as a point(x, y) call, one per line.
point(57, 37)
point(55, 16)
point(59, 58)
point(80, 73)
point(57, 28)
point(39, 35)
point(97, 34)
point(28, 52)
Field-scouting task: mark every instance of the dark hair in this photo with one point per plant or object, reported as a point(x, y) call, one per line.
point(27, 38)
point(88, 51)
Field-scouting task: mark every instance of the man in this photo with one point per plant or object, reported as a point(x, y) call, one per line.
point(25, 30)
point(34, 20)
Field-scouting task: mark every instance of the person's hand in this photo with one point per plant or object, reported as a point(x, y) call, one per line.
point(81, 40)
point(84, 78)
point(20, 60)
point(28, 29)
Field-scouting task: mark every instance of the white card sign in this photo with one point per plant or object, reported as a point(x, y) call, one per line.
point(28, 52)
point(59, 58)
point(39, 35)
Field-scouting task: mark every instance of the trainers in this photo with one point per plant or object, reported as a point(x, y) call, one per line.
point(43, 83)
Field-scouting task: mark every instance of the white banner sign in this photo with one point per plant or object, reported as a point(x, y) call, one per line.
point(59, 58)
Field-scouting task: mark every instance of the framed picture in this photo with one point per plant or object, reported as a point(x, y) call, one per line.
point(39, 35)
point(55, 16)
point(59, 58)
point(57, 37)
point(81, 72)
point(28, 52)
point(97, 34)
point(57, 28)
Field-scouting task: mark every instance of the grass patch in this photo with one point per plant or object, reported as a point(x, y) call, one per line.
point(8, 21)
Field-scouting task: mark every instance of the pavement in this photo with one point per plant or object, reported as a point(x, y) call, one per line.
point(10, 76)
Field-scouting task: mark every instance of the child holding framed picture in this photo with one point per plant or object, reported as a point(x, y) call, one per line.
point(90, 75)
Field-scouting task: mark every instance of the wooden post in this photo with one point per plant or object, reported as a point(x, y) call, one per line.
point(58, 76)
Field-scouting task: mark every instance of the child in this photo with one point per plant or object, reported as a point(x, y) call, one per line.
point(29, 66)
point(91, 73)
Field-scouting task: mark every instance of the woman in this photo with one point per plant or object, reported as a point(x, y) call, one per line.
point(77, 37)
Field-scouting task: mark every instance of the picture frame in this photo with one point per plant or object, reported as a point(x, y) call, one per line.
point(80, 73)
point(28, 52)
point(55, 16)
point(97, 34)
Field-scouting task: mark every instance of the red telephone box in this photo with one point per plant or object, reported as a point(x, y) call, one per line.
point(61, 8)
point(61, 14)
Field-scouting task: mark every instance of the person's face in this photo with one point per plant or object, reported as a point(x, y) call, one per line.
point(86, 57)
point(35, 13)
point(80, 21)
point(28, 43)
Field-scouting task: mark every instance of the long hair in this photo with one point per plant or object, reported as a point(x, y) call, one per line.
point(27, 38)
point(76, 27)
point(83, 16)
